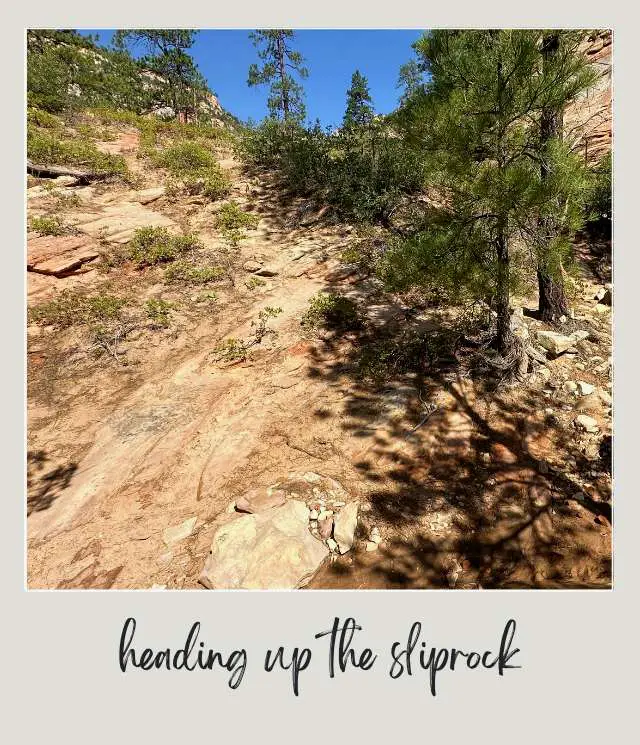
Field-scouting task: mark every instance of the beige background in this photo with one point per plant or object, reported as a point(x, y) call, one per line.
point(59, 665)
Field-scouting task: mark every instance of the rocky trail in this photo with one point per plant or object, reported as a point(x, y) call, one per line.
point(298, 471)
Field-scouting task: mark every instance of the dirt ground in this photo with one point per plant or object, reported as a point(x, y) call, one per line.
point(493, 488)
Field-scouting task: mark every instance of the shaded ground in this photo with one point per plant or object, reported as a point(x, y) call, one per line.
point(479, 493)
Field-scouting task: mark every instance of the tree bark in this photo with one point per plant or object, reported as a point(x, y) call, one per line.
point(504, 335)
point(283, 77)
point(552, 302)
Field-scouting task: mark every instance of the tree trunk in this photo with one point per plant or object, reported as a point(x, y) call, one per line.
point(504, 335)
point(552, 302)
point(283, 77)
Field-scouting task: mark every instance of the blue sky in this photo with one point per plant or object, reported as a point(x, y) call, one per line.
point(331, 57)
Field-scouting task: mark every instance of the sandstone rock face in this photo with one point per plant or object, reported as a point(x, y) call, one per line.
point(587, 121)
point(559, 343)
point(60, 255)
point(117, 223)
point(272, 550)
point(345, 527)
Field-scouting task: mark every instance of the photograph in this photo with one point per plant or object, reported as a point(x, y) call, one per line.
point(318, 309)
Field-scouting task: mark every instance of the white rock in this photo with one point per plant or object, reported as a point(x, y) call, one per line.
point(331, 544)
point(178, 533)
point(585, 388)
point(559, 343)
point(371, 546)
point(345, 527)
point(586, 423)
point(267, 550)
point(569, 386)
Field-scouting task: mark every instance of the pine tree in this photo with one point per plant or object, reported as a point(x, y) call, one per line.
point(280, 63)
point(182, 85)
point(483, 105)
point(359, 108)
point(410, 80)
point(562, 65)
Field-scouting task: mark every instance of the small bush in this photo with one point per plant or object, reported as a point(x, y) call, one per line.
point(158, 311)
point(186, 159)
point(230, 350)
point(46, 148)
point(150, 246)
point(331, 311)
point(39, 118)
point(253, 282)
point(73, 308)
point(48, 225)
point(183, 271)
point(233, 223)
point(196, 168)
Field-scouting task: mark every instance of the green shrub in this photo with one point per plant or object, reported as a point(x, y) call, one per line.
point(233, 223)
point(253, 282)
point(158, 311)
point(598, 202)
point(46, 148)
point(331, 311)
point(362, 172)
point(151, 245)
point(48, 225)
point(230, 350)
point(196, 169)
point(39, 118)
point(186, 159)
point(74, 308)
point(183, 271)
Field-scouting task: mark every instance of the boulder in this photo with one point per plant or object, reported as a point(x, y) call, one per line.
point(559, 343)
point(251, 266)
point(271, 550)
point(146, 196)
point(344, 528)
point(584, 389)
point(586, 423)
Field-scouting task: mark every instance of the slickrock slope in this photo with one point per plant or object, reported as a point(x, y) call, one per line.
point(137, 455)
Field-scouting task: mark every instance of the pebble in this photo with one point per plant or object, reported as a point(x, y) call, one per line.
point(332, 545)
point(313, 515)
point(371, 546)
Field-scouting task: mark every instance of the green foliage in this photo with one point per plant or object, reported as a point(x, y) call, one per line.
point(359, 109)
point(196, 169)
point(254, 282)
point(331, 311)
point(233, 223)
point(230, 350)
point(40, 118)
point(480, 123)
point(177, 81)
point(48, 225)
point(598, 200)
point(45, 147)
point(66, 70)
point(150, 246)
point(187, 273)
point(285, 94)
point(363, 174)
point(157, 311)
point(74, 308)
